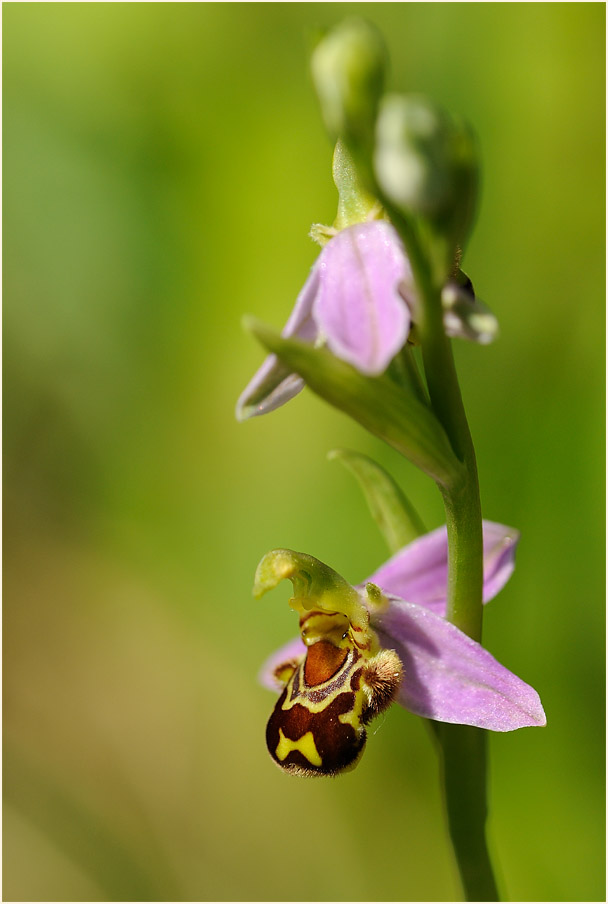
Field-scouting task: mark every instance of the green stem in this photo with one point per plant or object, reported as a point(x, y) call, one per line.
point(461, 498)
point(463, 748)
point(464, 765)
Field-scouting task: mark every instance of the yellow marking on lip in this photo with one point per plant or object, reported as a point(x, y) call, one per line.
point(304, 745)
point(353, 716)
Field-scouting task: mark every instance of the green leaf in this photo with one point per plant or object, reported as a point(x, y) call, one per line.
point(396, 517)
point(376, 403)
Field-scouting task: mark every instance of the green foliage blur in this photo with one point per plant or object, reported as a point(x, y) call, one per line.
point(163, 164)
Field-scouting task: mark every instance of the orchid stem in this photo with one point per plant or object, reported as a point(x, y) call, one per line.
point(464, 763)
point(463, 748)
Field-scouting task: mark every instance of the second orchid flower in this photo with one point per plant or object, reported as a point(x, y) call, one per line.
point(388, 638)
point(359, 301)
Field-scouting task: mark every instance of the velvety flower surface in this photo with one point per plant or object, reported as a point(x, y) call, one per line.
point(447, 676)
point(352, 302)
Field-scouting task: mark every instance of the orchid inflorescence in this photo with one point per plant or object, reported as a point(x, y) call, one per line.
point(385, 295)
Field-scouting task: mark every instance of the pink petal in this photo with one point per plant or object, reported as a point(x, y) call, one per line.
point(358, 308)
point(499, 546)
point(451, 678)
point(418, 572)
point(295, 649)
point(273, 384)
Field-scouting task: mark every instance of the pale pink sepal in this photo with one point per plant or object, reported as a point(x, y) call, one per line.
point(451, 678)
point(418, 572)
point(359, 308)
point(273, 384)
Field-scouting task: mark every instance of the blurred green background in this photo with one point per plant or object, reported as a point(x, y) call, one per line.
point(162, 166)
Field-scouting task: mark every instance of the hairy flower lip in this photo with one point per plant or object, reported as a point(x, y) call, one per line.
point(447, 676)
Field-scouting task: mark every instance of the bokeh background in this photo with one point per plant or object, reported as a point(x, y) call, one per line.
point(162, 166)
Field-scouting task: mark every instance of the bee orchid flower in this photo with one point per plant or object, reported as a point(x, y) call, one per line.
point(359, 301)
point(361, 648)
point(352, 303)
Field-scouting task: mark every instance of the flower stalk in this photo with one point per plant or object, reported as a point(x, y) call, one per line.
point(461, 499)
point(463, 755)
point(463, 748)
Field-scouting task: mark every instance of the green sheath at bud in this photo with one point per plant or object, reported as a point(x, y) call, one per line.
point(355, 203)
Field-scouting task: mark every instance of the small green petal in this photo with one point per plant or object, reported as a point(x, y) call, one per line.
point(315, 585)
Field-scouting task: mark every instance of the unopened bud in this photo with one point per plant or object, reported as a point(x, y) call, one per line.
point(348, 71)
point(425, 164)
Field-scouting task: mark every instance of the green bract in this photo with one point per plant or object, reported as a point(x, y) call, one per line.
point(377, 403)
point(395, 516)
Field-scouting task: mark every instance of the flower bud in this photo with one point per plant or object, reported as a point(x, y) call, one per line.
point(425, 164)
point(465, 315)
point(348, 72)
